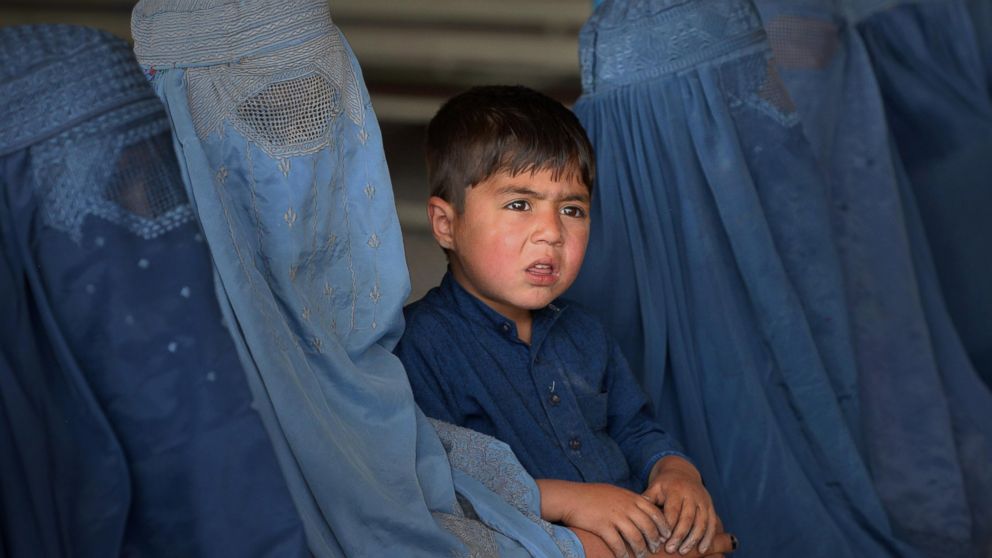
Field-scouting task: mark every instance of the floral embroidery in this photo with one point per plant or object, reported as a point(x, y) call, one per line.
point(222, 175)
point(290, 217)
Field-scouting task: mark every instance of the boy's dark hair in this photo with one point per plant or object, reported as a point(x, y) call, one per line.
point(510, 128)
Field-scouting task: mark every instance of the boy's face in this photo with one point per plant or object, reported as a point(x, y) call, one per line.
point(520, 240)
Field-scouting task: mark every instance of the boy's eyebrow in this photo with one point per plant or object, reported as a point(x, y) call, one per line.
point(524, 191)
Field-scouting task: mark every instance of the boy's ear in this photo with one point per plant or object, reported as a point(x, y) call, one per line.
point(441, 216)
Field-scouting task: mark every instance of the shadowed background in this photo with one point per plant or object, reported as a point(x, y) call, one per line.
point(414, 55)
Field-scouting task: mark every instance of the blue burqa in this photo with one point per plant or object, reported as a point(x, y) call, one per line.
point(927, 416)
point(126, 426)
point(981, 17)
point(932, 73)
point(712, 232)
point(282, 157)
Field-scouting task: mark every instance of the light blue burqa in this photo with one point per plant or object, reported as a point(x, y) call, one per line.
point(282, 158)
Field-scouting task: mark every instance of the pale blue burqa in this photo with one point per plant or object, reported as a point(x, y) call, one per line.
point(282, 158)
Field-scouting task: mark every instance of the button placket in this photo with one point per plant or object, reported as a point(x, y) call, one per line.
point(553, 398)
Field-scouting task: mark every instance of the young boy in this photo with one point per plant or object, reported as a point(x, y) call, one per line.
point(493, 349)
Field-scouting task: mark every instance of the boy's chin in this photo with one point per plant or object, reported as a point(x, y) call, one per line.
point(538, 302)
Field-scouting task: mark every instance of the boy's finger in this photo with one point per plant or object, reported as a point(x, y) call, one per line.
point(687, 515)
point(654, 512)
point(654, 494)
point(671, 509)
point(648, 529)
point(696, 533)
point(613, 540)
point(711, 521)
point(632, 534)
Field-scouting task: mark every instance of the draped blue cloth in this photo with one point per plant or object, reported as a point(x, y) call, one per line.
point(981, 17)
point(933, 80)
point(282, 157)
point(712, 231)
point(927, 417)
point(126, 425)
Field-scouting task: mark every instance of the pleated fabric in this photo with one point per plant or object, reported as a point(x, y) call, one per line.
point(934, 83)
point(713, 234)
point(126, 425)
point(926, 414)
point(282, 157)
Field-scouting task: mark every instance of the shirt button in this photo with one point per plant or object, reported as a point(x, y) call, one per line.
point(575, 444)
point(506, 327)
point(554, 399)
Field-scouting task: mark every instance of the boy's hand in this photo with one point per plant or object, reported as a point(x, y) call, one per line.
point(594, 547)
point(617, 516)
point(677, 487)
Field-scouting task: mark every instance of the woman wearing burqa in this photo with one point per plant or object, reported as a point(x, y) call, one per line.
point(932, 72)
point(926, 415)
point(282, 158)
point(126, 425)
point(712, 228)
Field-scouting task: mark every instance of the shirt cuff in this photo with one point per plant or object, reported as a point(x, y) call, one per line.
point(646, 472)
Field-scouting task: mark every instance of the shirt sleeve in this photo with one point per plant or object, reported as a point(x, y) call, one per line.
point(631, 424)
point(431, 390)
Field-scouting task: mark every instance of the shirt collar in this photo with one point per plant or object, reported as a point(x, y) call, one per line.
point(477, 311)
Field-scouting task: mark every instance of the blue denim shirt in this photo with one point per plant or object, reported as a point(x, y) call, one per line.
point(567, 404)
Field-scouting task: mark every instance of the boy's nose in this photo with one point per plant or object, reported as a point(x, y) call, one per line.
point(549, 229)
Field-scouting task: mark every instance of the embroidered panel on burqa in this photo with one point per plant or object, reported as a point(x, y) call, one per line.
point(282, 157)
point(932, 75)
point(927, 416)
point(126, 426)
point(713, 234)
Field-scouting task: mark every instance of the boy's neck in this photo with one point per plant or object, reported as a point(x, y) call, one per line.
point(522, 318)
point(525, 328)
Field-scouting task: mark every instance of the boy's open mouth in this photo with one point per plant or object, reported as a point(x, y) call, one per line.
point(543, 271)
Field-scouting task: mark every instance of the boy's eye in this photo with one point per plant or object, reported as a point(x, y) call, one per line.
point(573, 211)
point(518, 205)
